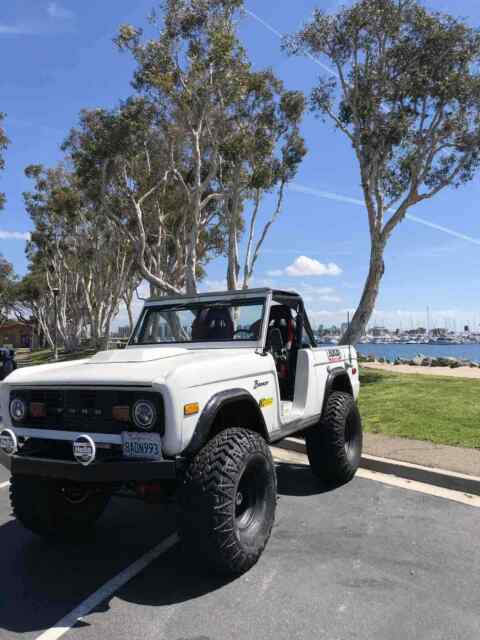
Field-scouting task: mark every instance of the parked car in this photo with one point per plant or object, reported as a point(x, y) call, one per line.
point(7, 362)
point(190, 407)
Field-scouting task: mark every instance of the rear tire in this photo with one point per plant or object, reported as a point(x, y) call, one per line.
point(56, 509)
point(228, 500)
point(334, 445)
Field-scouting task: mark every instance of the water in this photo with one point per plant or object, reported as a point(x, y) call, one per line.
point(392, 351)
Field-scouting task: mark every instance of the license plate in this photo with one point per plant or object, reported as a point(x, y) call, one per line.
point(142, 445)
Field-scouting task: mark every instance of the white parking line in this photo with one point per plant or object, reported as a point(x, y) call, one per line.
point(394, 481)
point(108, 589)
point(4, 485)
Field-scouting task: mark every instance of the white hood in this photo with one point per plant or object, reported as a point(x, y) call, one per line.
point(137, 354)
point(136, 366)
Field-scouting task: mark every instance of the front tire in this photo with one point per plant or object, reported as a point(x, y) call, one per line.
point(334, 445)
point(228, 500)
point(56, 509)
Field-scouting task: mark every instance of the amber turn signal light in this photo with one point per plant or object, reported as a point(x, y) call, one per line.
point(191, 409)
point(121, 414)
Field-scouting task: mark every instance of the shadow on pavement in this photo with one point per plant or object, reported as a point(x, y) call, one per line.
point(42, 581)
point(176, 577)
point(298, 480)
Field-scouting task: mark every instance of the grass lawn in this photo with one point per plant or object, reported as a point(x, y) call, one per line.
point(439, 409)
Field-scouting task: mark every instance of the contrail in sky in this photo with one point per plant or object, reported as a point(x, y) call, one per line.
point(328, 195)
point(277, 33)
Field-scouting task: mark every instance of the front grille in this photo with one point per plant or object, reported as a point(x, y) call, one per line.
point(86, 409)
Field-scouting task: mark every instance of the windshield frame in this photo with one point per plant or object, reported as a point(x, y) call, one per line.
point(235, 299)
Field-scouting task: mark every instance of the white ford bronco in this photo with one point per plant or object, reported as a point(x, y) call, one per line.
point(188, 408)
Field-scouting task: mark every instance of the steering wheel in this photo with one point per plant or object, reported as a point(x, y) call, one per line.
point(248, 335)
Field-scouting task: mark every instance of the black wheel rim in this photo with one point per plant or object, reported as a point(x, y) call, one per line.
point(250, 497)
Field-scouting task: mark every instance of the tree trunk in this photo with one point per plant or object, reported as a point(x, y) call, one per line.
point(128, 304)
point(191, 266)
point(233, 267)
point(366, 306)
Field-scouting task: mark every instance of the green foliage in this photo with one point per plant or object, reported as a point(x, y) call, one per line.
point(7, 288)
point(203, 134)
point(406, 91)
point(3, 145)
point(389, 404)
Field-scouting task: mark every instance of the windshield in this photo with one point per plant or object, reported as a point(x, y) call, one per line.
point(235, 320)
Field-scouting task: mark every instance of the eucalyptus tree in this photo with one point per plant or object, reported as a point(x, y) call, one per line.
point(79, 255)
point(123, 160)
point(3, 145)
point(33, 300)
point(6, 269)
point(405, 91)
point(192, 73)
point(232, 133)
point(261, 151)
point(7, 287)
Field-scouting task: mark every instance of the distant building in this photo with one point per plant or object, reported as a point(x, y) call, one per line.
point(420, 331)
point(17, 334)
point(378, 332)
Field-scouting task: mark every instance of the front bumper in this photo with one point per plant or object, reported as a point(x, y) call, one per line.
point(107, 471)
point(113, 469)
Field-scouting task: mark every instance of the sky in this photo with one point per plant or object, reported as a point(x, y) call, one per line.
point(58, 57)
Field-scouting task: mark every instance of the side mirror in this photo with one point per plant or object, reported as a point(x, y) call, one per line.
point(275, 340)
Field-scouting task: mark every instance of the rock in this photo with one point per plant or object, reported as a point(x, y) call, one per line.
point(443, 362)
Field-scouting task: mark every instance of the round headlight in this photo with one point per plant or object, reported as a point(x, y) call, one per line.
point(18, 409)
point(144, 414)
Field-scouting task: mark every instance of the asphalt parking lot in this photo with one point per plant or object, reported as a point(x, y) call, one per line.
point(368, 561)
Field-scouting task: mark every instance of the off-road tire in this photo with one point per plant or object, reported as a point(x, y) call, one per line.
point(228, 499)
point(41, 505)
point(334, 445)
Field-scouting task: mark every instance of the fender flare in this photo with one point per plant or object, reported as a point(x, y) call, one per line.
point(210, 411)
point(334, 374)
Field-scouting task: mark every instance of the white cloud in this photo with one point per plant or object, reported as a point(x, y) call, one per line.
point(58, 12)
point(13, 235)
point(304, 266)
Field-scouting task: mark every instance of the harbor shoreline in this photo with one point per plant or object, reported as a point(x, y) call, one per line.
point(457, 372)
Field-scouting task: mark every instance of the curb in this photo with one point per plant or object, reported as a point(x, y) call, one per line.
point(437, 477)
